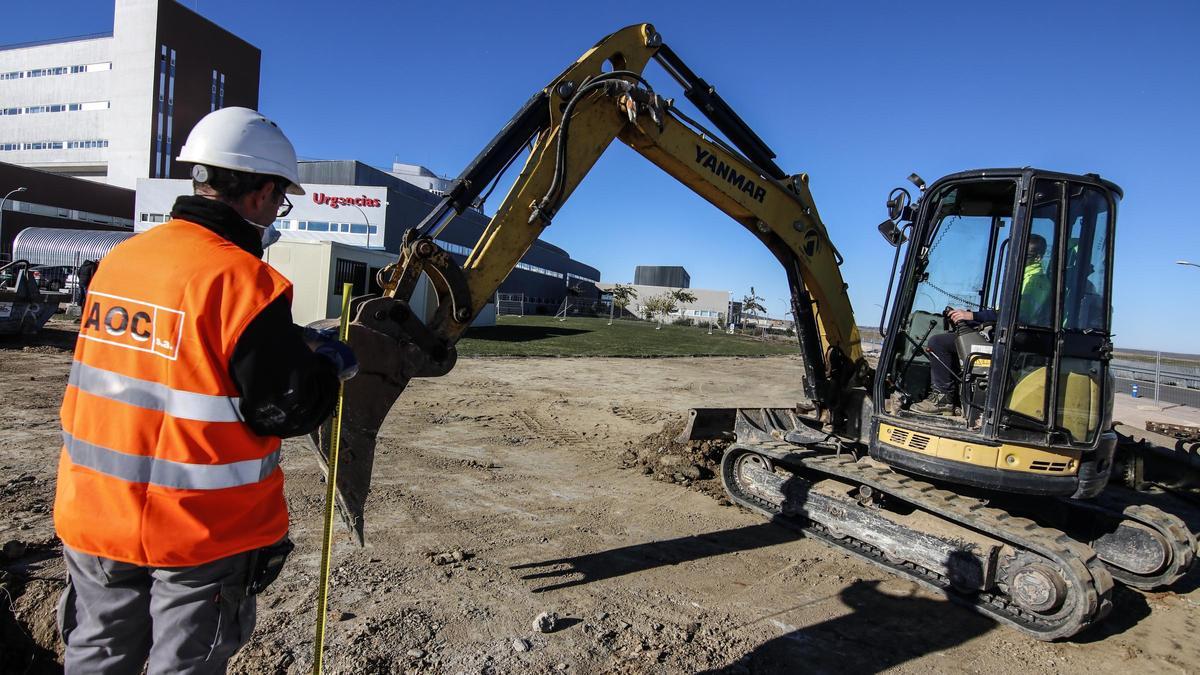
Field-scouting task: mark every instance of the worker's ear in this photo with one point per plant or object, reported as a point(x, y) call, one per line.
point(265, 192)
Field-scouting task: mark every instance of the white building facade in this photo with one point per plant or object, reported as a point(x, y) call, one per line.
point(710, 305)
point(117, 106)
point(355, 215)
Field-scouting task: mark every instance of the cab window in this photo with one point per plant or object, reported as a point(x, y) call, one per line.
point(1086, 276)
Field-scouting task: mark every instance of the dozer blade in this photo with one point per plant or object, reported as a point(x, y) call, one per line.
point(708, 424)
point(750, 425)
point(392, 347)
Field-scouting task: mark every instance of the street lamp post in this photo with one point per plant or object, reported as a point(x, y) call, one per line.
point(367, 221)
point(2, 201)
point(1184, 262)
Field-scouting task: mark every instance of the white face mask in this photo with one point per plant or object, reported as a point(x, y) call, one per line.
point(270, 235)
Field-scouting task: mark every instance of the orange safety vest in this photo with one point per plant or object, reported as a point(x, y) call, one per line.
point(157, 467)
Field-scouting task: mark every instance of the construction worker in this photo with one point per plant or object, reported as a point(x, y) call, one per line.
point(187, 373)
point(1034, 309)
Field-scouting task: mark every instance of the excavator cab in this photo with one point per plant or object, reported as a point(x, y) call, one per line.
point(1029, 254)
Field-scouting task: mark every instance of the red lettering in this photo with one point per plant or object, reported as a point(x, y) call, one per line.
point(335, 202)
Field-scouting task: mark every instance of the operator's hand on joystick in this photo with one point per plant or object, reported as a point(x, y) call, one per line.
point(961, 315)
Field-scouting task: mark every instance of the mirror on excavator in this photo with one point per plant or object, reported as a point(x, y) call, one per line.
point(994, 368)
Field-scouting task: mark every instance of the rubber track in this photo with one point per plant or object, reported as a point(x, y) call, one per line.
point(1178, 536)
point(1088, 580)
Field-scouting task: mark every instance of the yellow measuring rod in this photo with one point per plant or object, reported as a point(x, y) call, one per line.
point(330, 487)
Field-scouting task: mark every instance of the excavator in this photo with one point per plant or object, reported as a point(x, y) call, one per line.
point(1000, 506)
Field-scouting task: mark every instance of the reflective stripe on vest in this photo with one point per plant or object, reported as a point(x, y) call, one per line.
point(153, 395)
point(166, 473)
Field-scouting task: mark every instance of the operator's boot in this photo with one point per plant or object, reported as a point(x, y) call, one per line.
point(937, 403)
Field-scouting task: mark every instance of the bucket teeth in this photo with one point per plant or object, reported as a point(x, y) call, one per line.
point(366, 402)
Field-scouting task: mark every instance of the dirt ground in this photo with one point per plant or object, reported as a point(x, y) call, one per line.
point(513, 487)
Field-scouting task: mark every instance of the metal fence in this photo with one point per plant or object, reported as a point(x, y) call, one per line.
point(1171, 384)
point(510, 304)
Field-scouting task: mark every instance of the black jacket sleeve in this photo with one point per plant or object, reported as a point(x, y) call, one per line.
point(986, 315)
point(286, 389)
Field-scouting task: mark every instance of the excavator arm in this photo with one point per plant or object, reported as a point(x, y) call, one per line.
point(567, 126)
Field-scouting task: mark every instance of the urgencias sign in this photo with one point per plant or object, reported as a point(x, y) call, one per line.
point(334, 202)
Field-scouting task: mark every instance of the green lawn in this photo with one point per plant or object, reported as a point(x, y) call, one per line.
point(547, 336)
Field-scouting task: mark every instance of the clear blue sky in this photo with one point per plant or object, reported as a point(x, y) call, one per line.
point(856, 94)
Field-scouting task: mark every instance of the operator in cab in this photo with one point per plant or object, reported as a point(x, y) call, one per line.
point(944, 363)
point(187, 373)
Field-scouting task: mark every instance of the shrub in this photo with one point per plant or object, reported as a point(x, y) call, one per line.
point(683, 321)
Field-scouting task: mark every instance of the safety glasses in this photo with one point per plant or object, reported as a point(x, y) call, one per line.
point(285, 207)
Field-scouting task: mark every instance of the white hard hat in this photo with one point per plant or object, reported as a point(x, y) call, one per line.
point(243, 140)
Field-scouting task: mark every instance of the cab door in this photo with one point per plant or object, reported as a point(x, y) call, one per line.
point(1055, 322)
point(960, 239)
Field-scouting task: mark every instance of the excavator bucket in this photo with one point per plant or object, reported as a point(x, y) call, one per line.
point(750, 425)
point(389, 343)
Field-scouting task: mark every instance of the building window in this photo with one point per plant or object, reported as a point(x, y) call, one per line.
point(317, 226)
point(170, 116)
point(451, 247)
point(217, 96)
point(57, 70)
point(162, 95)
point(350, 271)
point(54, 145)
point(46, 72)
point(57, 107)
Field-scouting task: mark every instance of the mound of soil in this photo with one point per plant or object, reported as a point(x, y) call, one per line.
point(31, 580)
point(694, 464)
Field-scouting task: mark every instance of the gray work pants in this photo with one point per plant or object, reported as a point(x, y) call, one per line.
point(113, 616)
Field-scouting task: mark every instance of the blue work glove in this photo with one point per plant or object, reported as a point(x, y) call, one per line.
point(325, 343)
